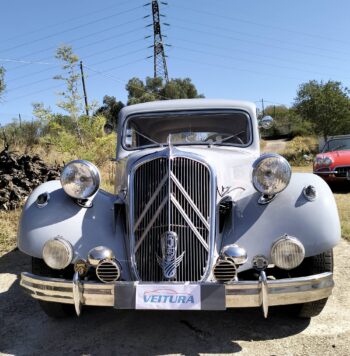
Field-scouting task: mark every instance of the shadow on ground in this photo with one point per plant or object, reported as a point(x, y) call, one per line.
point(25, 329)
point(340, 187)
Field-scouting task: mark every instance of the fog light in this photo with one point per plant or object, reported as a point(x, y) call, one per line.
point(98, 254)
point(57, 253)
point(237, 254)
point(287, 253)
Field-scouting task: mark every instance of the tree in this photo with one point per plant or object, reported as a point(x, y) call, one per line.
point(325, 105)
point(156, 89)
point(110, 109)
point(2, 80)
point(71, 100)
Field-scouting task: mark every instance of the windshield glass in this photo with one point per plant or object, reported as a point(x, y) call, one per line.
point(337, 144)
point(187, 128)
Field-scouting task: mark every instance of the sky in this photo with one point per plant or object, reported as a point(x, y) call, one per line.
point(248, 50)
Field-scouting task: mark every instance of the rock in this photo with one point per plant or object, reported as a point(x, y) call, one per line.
point(19, 175)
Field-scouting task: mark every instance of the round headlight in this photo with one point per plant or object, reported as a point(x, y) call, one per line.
point(271, 174)
point(287, 253)
point(327, 161)
point(80, 179)
point(57, 253)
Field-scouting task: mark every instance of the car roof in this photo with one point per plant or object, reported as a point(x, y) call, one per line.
point(337, 137)
point(188, 104)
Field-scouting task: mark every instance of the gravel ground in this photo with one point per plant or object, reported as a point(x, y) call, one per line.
point(25, 329)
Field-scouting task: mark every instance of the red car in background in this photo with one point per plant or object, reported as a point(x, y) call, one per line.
point(333, 163)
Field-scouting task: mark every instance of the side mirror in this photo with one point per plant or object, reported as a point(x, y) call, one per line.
point(108, 129)
point(266, 122)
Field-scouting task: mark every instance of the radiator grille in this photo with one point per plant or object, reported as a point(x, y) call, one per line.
point(171, 195)
point(343, 172)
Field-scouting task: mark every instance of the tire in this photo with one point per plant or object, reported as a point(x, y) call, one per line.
point(52, 309)
point(313, 265)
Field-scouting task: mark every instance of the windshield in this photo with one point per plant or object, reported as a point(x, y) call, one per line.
point(230, 128)
point(337, 144)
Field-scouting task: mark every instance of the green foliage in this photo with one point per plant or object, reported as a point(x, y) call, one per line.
point(2, 80)
point(156, 89)
point(287, 122)
point(110, 109)
point(325, 105)
point(25, 134)
point(71, 101)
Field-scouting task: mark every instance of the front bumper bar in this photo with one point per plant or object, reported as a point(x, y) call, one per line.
point(237, 294)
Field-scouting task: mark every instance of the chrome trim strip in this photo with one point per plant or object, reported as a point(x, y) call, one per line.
point(239, 294)
point(193, 205)
point(148, 227)
point(150, 202)
point(189, 222)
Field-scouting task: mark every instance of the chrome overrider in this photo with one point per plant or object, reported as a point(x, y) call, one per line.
point(238, 294)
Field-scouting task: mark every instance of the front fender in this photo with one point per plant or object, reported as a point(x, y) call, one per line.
point(84, 228)
point(256, 227)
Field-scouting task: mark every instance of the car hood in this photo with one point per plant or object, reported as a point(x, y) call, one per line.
point(338, 157)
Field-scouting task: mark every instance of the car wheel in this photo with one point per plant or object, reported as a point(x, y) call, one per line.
point(313, 265)
point(52, 309)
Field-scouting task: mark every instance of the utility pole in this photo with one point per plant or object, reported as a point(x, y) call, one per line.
point(84, 89)
point(160, 66)
point(262, 106)
point(20, 120)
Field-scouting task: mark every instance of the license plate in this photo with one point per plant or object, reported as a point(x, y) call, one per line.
point(168, 296)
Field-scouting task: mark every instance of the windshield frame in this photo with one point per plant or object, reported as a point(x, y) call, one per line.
point(179, 112)
point(334, 139)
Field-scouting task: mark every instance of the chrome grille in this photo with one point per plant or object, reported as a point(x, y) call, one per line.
point(171, 194)
point(342, 172)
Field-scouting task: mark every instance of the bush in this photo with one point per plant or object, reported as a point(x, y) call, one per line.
point(301, 150)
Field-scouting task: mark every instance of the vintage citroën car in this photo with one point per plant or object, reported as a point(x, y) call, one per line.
point(199, 220)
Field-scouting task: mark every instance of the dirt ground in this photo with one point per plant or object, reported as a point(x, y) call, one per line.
point(275, 146)
point(26, 330)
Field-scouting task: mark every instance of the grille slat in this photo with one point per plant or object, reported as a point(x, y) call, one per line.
point(171, 195)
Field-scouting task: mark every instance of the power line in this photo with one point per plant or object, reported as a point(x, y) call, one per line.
point(45, 28)
point(255, 54)
point(78, 48)
point(72, 29)
point(103, 73)
point(249, 60)
point(211, 14)
point(258, 43)
point(23, 61)
point(60, 85)
point(216, 65)
point(225, 29)
point(103, 61)
point(83, 37)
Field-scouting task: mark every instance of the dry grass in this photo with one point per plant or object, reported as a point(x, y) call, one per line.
point(8, 230)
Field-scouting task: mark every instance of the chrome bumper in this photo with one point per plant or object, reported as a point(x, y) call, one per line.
point(238, 294)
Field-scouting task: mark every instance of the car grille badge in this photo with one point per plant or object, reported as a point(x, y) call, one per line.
point(169, 261)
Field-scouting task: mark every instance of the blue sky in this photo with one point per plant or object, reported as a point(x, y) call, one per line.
point(234, 49)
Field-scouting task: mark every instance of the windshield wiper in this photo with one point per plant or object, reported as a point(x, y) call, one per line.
point(148, 138)
point(229, 138)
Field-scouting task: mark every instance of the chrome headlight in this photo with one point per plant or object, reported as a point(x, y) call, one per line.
point(327, 161)
point(287, 252)
point(80, 179)
point(323, 161)
point(57, 253)
point(271, 174)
